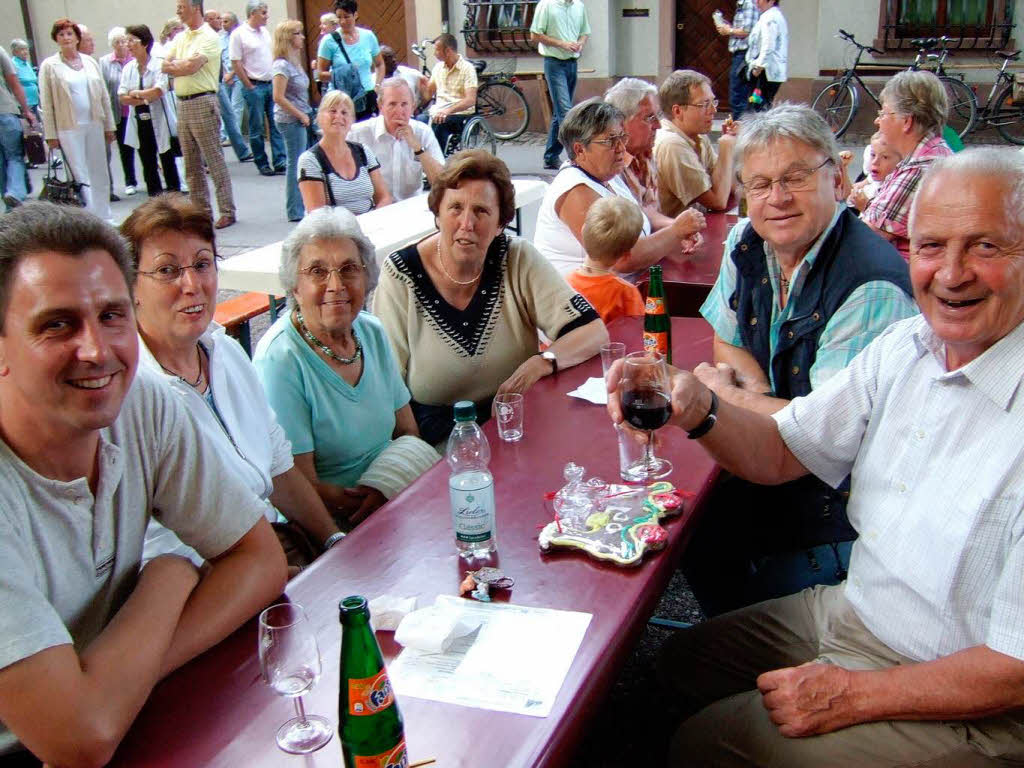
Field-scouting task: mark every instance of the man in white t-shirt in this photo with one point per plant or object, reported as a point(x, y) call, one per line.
point(405, 148)
point(251, 50)
point(918, 657)
point(89, 452)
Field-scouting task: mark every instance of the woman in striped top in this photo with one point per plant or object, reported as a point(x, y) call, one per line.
point(338, 172)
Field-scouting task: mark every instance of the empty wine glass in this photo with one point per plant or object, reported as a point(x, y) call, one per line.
point(646, 404)
point(290, 663)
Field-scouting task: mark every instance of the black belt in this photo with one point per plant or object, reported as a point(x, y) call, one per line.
point(262, 82)
point(196, 95)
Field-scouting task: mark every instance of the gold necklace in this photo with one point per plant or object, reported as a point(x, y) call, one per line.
point(446, 274)
point(323, 348)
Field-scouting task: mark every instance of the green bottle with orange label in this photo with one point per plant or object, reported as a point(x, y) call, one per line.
point(370, 725)
point(657, 323)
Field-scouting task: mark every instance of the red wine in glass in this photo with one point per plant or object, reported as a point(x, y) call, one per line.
point(646, 408)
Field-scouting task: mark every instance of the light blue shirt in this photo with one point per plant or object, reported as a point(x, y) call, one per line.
point(29, 81)
point(363, 53)
point(867, 311)
point(345, 426)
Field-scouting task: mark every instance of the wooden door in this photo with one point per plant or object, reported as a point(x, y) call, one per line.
point(387, 19)
point(700, 47)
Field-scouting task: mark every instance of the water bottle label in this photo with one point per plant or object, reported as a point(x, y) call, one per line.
point(473, 514)
point(369, 695)
point(394, 758)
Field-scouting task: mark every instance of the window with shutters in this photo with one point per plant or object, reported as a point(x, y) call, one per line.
point(497, 26)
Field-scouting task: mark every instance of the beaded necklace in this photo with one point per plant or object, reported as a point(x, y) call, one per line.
point(323, 348)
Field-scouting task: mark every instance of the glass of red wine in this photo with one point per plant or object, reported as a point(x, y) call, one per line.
point(647, 405)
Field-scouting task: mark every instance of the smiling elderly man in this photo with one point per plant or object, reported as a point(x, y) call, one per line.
point(89, 451)
point(918, 658)
point(804, 286)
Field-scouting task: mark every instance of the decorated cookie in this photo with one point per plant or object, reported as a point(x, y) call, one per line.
point(625, 528)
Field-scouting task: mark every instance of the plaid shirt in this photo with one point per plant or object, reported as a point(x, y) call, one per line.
point(746, 15)
point(867, 311)
point(889, 211)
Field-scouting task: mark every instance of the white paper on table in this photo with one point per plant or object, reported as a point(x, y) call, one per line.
point(593, 389)
point(515, 663)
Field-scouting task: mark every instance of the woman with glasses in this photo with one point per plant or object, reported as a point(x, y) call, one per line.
point(172, 247)
point(594, 137)
point(330, 375)
point(463, 307)
point(152, 123)
point(804, 286)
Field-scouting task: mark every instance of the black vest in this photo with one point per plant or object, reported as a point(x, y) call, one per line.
point(809, 511)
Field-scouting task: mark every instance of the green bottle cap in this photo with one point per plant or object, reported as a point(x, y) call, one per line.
point(465, 410)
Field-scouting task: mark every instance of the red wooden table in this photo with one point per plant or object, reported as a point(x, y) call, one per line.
point(216, 711)
point(702, 267)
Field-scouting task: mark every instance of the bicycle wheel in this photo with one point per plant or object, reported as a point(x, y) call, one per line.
point(478, 135)
point(1008, 117)
point(963, 105)
point(504, 108)
point(837, 104)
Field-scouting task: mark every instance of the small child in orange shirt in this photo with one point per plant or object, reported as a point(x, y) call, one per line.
point(610, 229)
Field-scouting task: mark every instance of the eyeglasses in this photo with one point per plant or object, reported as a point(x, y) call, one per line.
point(882, 113)
point(799, 180)
point(652, 119)
point(169, 273)
point(611, 141)
point(349, 273)
point(704, 106)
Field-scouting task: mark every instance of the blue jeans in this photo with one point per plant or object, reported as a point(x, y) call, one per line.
point(739, 87)
point(561, 77)
point(296, 141)
point(12, 158)
point(235, 89)
point(227, 117)
point(260, 102)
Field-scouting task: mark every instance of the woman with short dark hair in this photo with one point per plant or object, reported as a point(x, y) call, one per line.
point(463, 307)
point(152, 124)
point(355, 45)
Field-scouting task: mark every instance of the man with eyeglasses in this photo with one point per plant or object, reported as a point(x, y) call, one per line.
point(90, 450)
point(917, 659)
point(804, 286)
point(690, 169)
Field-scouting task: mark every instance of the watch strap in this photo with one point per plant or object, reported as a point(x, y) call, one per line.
point(419, 152)
point(709, 421)
point(553, 360)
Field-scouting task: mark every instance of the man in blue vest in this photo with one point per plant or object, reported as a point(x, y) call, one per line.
point(804, 286)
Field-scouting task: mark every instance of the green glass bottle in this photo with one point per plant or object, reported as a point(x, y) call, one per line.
point(657, 323)
point(372, 734)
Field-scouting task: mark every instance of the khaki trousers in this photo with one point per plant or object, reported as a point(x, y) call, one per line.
point(713, 667)
point(199, 135)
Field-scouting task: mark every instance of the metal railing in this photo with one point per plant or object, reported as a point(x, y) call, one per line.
point(499, 27)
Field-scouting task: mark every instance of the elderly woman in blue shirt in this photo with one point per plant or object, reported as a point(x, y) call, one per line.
point(330, 374)
point(26, 73)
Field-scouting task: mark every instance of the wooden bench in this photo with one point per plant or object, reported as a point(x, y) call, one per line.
point(235, 313)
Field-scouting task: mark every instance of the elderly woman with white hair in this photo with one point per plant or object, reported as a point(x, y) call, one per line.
point(637, 100)
point(330, 374)
point(595, 139)
point(26, 73)
point(112, 66)
point(914, 108)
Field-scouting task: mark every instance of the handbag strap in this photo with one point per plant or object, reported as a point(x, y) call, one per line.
point(326, 169)
point(51, 171)
point(341, 44)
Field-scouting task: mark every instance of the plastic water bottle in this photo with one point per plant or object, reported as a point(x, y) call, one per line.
point(471, 485)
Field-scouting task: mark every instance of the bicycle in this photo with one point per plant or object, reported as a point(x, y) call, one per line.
point(1001, 111)
point(499, 101)
point(839, 101)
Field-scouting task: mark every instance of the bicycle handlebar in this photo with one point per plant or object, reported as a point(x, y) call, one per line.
point(844, 35)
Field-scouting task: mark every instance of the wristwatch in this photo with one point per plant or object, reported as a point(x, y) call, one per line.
point(419, 151)
point(548, 355)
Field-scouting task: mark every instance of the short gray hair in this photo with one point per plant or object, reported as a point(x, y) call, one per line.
point(115, 34)
point(628, 93)
point(251, 6)
point(329, 18)
point(397, 81)
point(919, 96)
point(785, 121)
point(585, 121)
point(19, 43)
point(991, 163)
point(325, 223)
point(676, 88)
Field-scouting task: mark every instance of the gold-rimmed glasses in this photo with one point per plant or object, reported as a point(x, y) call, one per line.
point(349, 273)
point(796, 180)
